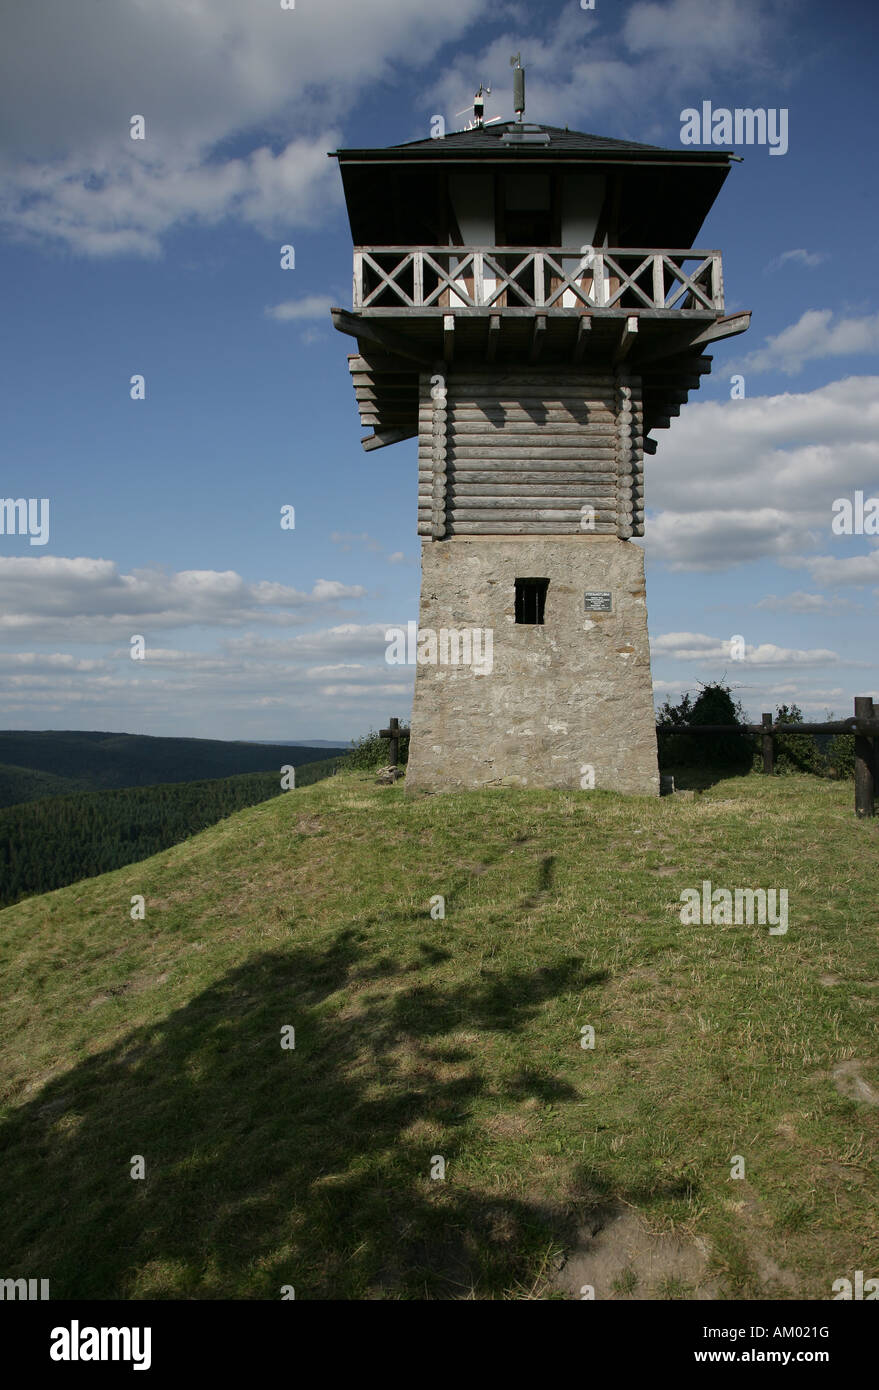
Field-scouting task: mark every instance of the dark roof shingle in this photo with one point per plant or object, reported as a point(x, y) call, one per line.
point(489, 137)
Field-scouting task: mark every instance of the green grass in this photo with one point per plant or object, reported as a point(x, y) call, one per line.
point(457, 1037)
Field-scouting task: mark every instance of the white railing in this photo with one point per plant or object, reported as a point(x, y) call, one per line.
point(495, 277)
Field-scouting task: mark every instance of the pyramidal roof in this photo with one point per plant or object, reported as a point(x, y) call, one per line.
point(518, 139)
point(488, 137)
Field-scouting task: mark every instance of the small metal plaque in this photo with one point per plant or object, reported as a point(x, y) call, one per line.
point(598, 603)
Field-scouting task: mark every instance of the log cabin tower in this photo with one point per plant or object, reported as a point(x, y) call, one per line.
point(527, 303)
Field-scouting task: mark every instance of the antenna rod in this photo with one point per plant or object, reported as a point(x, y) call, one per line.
point(518, 87)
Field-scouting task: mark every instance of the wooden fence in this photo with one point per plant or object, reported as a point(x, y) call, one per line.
point(864, 725)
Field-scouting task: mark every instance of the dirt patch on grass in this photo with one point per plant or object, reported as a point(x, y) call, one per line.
point(619, 1257)
point(507, 1124)
point(849, 1082)
point(309, 825)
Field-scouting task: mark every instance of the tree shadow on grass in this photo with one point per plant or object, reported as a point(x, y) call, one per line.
point(267, 1167)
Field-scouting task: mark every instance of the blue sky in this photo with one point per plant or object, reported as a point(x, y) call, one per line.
point(162, 257)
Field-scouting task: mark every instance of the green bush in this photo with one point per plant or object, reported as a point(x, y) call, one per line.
point(796, 752)
point(840, 756)
point(713, 705)
point(374, 751)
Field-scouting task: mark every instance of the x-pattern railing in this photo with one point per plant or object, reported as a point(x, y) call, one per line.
point(542, 278)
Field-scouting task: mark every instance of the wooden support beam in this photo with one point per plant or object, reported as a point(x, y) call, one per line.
point(494, 337)
point(389, 417)
point(529, 528)
point(584, 324)
point(768, 746)
point(538, 333)
point(381, 381)
point(668, 381)
point(654, 398)
point(382, 438)
point(375, 362)
point(368, 329)
point(448, 336)
point(865, 762)
point(627, 337)
point(726, 327)
point(397, 394)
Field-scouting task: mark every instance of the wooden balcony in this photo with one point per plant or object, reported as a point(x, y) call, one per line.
point(606, 281)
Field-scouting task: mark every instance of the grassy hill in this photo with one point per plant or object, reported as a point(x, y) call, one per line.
point(457, 1037)
point(81, 760)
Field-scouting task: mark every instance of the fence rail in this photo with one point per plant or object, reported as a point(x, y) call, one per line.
point(864, 724)
point(545, 278)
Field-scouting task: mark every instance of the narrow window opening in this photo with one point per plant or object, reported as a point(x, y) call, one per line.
point(531, 600)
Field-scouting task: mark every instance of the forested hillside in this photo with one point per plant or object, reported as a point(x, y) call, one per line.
point(56, 840)
point(26, 784)
point(77, 760)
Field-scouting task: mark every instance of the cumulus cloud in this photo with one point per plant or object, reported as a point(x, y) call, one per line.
point(311, 306)
point(834, 571)
point(331, 682)
point(581, 70)
point(699, 646)
point(818, 333)
point(90, 600)
point(741, 480)
point(241, 104)
point(801, 602)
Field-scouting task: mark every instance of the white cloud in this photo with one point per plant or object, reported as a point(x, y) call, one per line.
point(33, 662)
point(89, 600)
point(719, 537)
point(203, 74)
point(741, 480)
point(347, 642)
point(685, 33)
point(799, 257)
point(327, 683)
point(579, 70)
point(816, 334)
point(312, 306)
point(349, 540)
point(832, 570)
point(141, 198)
point(801, 602)
point(698, 646)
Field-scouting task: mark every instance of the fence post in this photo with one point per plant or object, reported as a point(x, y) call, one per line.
point(865, 767)
point(768, 746)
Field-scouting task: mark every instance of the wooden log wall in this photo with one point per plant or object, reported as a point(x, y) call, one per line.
point(524, 452)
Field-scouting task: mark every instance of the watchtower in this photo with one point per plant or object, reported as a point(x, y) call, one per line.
point(528, 304)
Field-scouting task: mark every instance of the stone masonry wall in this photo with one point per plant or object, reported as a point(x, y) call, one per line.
point(561, 698)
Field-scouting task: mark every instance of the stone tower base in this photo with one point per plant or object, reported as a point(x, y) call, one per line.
point(568, 703)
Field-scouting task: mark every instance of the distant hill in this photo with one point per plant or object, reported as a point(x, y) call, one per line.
point(305, 742)
point(52, 762)
point(19, 784)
